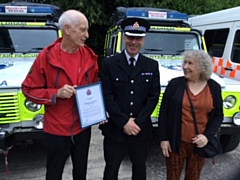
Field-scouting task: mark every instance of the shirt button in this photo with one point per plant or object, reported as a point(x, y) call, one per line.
point(117, 79)
point(131, 114)
point(147, 80)
point(131, 103)
point(131, 92)
point(132, 81)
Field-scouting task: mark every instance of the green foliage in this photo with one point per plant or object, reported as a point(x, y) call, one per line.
point(4, 1)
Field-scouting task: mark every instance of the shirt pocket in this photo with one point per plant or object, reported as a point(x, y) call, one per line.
point(145, 83)
point(146, 80)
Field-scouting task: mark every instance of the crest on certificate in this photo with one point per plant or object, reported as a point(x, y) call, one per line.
point(89, 92)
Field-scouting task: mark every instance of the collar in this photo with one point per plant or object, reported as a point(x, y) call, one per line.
point(128, 57)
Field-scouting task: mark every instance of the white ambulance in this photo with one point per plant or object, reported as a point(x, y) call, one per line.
point(25, 29)
point(221, 30)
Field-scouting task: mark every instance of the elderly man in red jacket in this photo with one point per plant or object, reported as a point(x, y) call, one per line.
point(60, 67)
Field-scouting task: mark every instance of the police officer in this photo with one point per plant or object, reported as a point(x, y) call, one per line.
point(131, 89)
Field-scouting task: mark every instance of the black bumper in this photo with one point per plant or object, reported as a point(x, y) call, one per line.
point(7, 140)
point(229, 129)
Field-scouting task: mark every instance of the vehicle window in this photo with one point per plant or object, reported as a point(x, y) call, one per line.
point(24, 40)
point(169, 43)
point(216, 41)
point(116, 40)
point(236, 48)
point(112, 42)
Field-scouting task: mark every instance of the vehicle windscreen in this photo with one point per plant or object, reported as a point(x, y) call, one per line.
point(25, 40)
point(168, 43)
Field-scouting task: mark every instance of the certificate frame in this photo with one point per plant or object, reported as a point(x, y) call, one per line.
point(90, 104)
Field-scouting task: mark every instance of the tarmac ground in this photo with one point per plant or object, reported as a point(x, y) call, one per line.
point(28, 163)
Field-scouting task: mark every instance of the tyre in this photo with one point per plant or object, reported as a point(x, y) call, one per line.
point(229, 142)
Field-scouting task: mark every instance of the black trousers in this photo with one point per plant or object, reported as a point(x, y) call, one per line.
point(114, 153)
point(58, 150)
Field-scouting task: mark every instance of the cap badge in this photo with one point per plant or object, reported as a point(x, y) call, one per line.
point(136, 26)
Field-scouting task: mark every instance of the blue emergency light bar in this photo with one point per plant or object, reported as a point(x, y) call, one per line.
point(25, 10)
point(157, 15)
point(47, 10)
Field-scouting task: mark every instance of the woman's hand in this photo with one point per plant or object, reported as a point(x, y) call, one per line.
point(200, 140)
point(166, 148)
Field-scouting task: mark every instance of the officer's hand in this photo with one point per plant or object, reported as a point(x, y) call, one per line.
point(106, 121)
point(66, 91)
point(131, 128)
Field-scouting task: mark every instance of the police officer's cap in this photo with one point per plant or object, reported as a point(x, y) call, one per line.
point(135, 26)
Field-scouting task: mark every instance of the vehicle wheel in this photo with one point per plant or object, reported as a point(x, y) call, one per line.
point(229, 142)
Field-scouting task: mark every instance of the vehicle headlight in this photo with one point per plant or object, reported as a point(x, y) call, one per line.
point(39, 120)
point(236, 119)
point(31, 106)
point(229, 102)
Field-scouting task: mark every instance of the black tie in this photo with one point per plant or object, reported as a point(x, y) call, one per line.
point(131, 64)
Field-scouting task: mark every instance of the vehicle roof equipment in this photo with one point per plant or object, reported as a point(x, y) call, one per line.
point(156, 16)
point(27, 11)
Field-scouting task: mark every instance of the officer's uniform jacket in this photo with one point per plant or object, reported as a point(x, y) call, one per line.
point(129, 94)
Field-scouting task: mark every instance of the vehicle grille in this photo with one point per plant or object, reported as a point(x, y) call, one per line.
point(9, 108)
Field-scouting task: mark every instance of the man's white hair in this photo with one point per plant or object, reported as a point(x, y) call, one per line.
point(69, 17)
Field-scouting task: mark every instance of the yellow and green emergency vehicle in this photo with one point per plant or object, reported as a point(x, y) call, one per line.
point(168, 37)
point(25, 29)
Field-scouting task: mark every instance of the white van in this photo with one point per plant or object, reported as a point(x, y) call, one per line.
point(221, 30)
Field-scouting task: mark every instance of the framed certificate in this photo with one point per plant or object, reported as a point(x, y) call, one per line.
point(90, 103)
